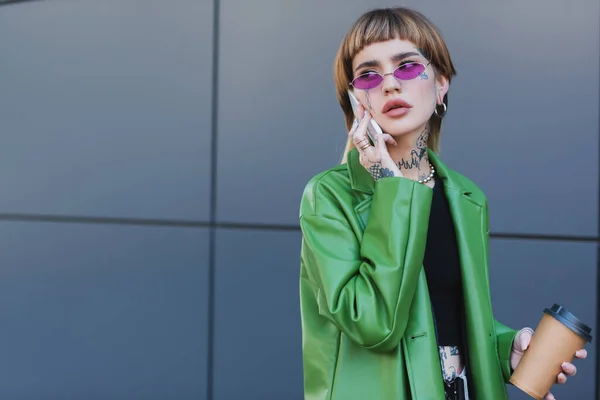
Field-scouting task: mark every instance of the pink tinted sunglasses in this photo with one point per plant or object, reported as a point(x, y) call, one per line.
point(404, 72)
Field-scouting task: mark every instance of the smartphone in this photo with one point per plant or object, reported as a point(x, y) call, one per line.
point(373, 129)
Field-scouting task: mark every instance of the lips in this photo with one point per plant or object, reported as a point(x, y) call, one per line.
point(394, 105)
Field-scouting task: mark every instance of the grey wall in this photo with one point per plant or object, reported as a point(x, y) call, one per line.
point(131, 268)
point(105, 121)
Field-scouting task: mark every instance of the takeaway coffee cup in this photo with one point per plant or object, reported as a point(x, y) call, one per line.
point(557, 338)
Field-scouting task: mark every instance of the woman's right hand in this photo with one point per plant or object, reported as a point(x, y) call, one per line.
point(375, 159)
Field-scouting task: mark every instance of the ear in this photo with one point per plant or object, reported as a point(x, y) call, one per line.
point(442, 86)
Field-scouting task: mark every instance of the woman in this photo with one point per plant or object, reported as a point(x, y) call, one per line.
point(395, 296)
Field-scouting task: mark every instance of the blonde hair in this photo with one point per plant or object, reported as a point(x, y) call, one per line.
point(386, 24)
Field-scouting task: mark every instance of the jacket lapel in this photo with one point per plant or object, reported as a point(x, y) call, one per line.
point(468, 214)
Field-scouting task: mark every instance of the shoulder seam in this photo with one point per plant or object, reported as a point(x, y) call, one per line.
point(315, 182)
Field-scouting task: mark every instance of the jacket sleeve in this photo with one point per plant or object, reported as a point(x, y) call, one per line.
point(505, 337)
point(366, 288)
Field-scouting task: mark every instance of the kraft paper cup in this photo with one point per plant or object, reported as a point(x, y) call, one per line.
point(557, 338)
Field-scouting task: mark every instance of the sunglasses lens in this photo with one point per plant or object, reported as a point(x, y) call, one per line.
point(367, 81)
point(409, 71)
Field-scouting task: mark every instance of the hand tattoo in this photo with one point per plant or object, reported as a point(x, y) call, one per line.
point(378, 172)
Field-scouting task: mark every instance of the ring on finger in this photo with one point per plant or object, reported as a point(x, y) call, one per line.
point(363, 141)
point(364, 144)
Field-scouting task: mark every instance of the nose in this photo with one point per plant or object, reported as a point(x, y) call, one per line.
point(390, 83)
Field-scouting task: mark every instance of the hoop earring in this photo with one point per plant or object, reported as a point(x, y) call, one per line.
point(435, 111)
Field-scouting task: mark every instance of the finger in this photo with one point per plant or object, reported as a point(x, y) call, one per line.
point(549, 396)
point(581, 353)
point(561, 379)
point(525, 339)
point(361, 129)
point(381, 141)
point(353, 128)
point(389, 139)
point(360, 111)
point(359, 137)
point(569, 369)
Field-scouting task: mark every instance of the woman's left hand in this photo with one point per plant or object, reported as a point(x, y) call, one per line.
point(521, 343)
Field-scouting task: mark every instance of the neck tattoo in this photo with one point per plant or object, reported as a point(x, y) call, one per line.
point(418, 155)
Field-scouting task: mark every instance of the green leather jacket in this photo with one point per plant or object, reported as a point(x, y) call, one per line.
point(367, 326)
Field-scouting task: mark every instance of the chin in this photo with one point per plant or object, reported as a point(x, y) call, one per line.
point(400, 127)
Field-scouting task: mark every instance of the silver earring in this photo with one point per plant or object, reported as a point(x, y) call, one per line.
point(437, 113)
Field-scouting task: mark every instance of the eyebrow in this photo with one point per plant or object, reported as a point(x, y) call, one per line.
point(396, 58)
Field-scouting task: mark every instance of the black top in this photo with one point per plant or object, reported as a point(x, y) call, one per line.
point(442, 268)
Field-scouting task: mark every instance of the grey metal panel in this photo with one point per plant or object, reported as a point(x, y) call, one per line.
point(258, 344)
point(522, 123)
point(528, 276)
point(102, 312)
point(105, 108)
point(279, 120)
